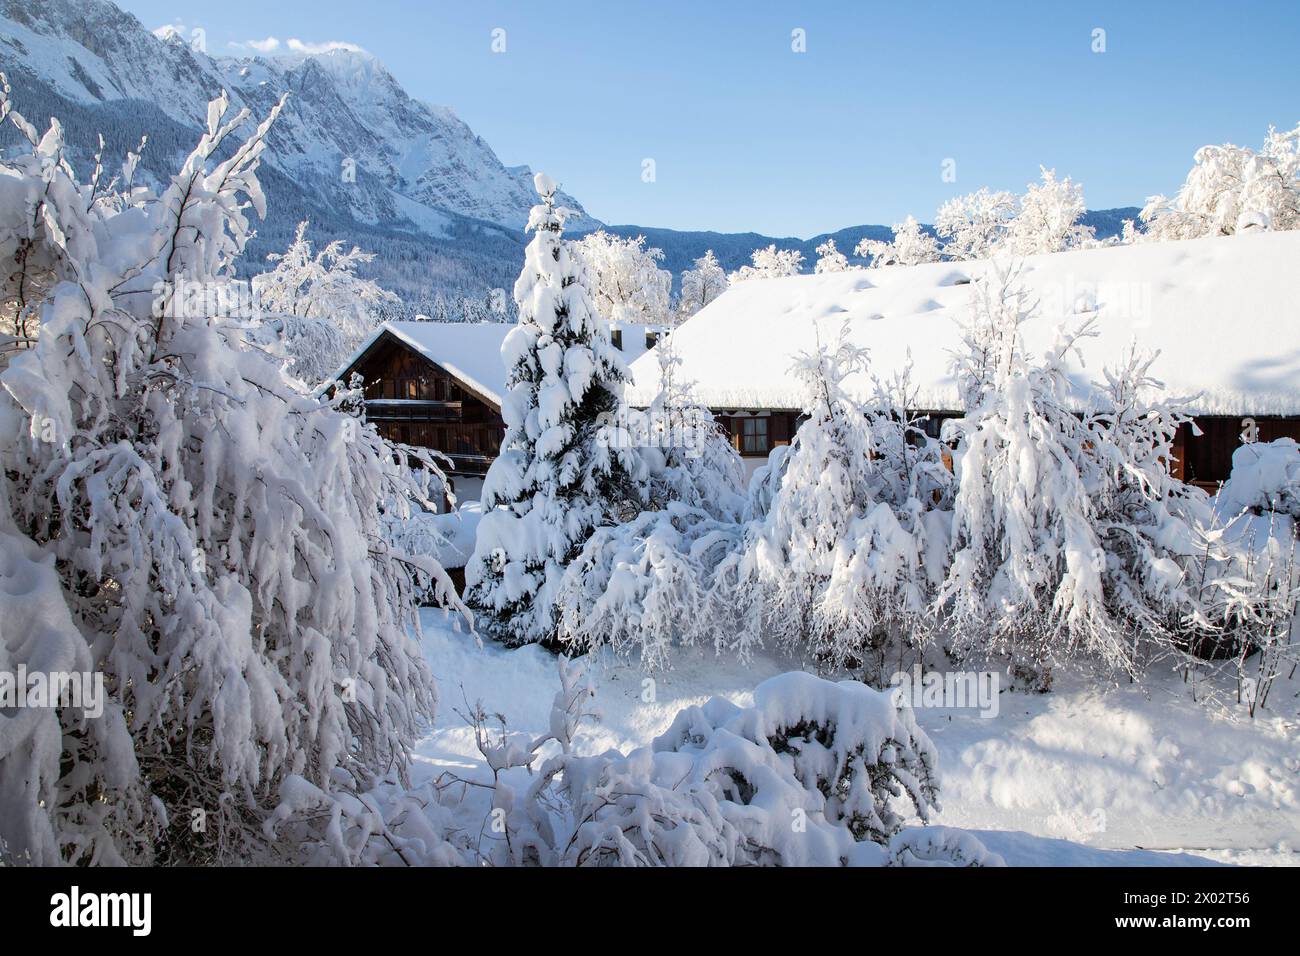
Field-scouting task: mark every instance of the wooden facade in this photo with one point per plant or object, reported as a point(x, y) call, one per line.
point(413, 400)
point(755, 433)
point(1206, 459)
point(1203, 459)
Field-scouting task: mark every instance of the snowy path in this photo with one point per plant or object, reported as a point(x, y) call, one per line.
point(1118, 768)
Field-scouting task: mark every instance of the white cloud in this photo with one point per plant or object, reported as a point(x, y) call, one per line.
point(273, 45)
point(304, 46)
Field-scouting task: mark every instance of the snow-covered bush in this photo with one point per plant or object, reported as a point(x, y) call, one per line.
point(198, 528)
point(813, 774)
point(701, 285)
point(318, 304)
point(1070, 535)
point(645, 584)
point(689, 456)
point(1047, 219)
point(559, 475)
point(1265, 476)
point(910, 246)
point(627, 284)
point(975, 225)
point(1232, 189)
point(770, 263)
point(35, 246)
point(939, 846)
point(830, 259)
point(848, 551)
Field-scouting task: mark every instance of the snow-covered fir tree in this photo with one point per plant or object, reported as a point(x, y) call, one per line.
point(975, 225)
point(830, 259)
point(770, 263)
point(1047, 219)
point(627, 284)
point(559, 475)
point(1232, 189)
point(318, 303)
point(701, 285)
point(910, 246)
point(204, 532)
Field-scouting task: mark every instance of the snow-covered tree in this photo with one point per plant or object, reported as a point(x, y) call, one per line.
point(689, 456)
point(627, 284)
point(770, 263)
point(1048, 218)
point(319, 304)
point(851, 547)
point(701, 285)
point(975, 225)
point(830, 259)
point(644, 585)
point(205, 533)
point(1232, 189)
point(558, 475)
point(33, 248)
point(911, 246)
point(1070, 537)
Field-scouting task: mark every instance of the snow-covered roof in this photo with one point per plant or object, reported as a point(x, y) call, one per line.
point(471, 351)
point(1224, 313)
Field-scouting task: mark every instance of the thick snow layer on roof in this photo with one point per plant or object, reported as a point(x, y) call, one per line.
point(471, 351)
point(1224, 314)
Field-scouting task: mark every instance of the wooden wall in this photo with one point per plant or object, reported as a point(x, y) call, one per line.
point(756, 435)
point(1206, 459)
point(411, 400)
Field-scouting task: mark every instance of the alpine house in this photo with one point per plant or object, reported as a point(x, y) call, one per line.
point(1223, 313)
point(439, 385)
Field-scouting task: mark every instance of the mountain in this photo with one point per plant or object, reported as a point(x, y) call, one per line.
point(682, 248)
point(429, 197)
point(351, 151)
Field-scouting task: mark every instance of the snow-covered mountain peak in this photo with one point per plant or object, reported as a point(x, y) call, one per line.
point(350, 135)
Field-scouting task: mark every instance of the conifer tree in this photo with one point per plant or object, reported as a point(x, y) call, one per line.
point(558, 475)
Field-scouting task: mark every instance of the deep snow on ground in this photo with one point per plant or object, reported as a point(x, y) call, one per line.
point(1132, 766)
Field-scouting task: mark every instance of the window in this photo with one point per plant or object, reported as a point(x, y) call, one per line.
point(650, 339)
point(616, 336)
point(753, 435)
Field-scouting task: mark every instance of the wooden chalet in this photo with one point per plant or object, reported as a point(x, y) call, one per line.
point(440, 385)
point(1223, 313)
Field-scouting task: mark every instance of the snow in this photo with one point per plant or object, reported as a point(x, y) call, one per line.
point(471, 351)
point(1084, 776)
point(1264, 475)
point(459, 528)
point(1221, 310)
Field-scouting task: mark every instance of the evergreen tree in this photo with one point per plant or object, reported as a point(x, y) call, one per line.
point(559, 475)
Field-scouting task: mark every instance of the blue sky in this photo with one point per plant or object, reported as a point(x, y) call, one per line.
point(747, 134)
